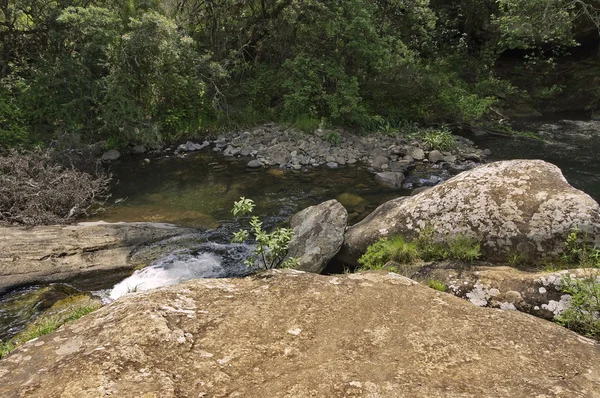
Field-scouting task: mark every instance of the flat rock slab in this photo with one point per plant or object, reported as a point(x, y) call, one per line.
point(293, 334)
point(60, 253)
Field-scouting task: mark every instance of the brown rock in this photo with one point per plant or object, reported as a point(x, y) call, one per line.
point(290, 334)
point(61, 253)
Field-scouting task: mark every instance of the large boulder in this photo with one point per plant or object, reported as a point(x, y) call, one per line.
point(318, 235)
point(523, 206)
point(77, 252)
point(292, 334)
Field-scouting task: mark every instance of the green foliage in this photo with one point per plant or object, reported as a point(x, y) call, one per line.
point(47, 324)
point(441, 139)
point(463, 248)
point(403, 251)
point(583, 313)
point(333, 137)
point(578, 251)
point(437, 285)
point(306, 124)
point(271, 248)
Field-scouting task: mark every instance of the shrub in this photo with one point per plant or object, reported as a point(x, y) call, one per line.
point(424, 247)
point(271, 248)
point(464, 248)
point(333, 137)
point(35, 188)
point(437, 285)
point(583, 314)
point(441, 140)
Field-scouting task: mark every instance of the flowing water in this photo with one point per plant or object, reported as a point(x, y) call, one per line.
point(198, 191)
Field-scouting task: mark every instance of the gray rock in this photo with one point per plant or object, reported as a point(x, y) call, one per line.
point(486, 152)
point(110, 156)
point(449, 159)
point(318, 235)
point(332, 165)
point(416, 153)
point(390, 179)
point(435, 156)
point(138, 149)
point(379, 161)
point(254, 164)
point(504, 205)
point(400, 166)
point(189, 146)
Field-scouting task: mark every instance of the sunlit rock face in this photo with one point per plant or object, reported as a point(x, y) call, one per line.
point(294, 334)
point(523, 206)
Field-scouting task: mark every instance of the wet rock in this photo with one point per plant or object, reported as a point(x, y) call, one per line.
point(271, 335)
point(138, 149)
point(189, 146)
point(349, 200)
point(61, 253)
point(435, 156)
point(390, 179)
point(503, 204)
point(318, 235)
point(254, 164)
point(111, 156)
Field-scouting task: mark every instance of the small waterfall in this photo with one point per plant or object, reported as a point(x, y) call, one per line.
point(209, 260)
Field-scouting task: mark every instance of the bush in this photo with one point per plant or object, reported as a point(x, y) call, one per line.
point(583, 314)
point(271, 248)
point(424, 247)
point(440, 139)
point(35, 188)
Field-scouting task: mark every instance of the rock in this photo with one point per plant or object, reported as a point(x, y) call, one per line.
point(486, 152)
point(435, 156)
point(349, 200)
point(138, 149)
point(418, 190)
point(318, 235)
point(416, 153)
point(379, 161)
point(245, 151)
point(146, 161)
point(507, 205)
point(389, 179)
point(111, 156)
point(449, 159)
point(332, 165)
point(286, 333)
point(189, 146)
point(536, 293)
point(400, 166)
point(254, 164)
point(64, 253)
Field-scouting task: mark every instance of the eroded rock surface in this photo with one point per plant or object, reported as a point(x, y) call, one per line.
point(318, 235)
point(523, 206)
point(61, 253)
point(291, 334)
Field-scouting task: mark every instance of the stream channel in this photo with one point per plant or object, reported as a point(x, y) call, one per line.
point(198, 191)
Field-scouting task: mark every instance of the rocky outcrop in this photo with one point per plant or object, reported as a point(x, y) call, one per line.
point(291, 334)
point(318, 235)
point(517, 206)
point(538, 293)
point(63, 253)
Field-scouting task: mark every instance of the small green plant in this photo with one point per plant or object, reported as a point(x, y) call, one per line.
point(429, 248)
point(464, 248)
point(441, 139)
point(306, 124)
point(578, 251)
point(403, 251)
point(6, 348)
point(515, 258)
point(271, 248)
point(583, 313)
point(437, 285)
point(333, 137)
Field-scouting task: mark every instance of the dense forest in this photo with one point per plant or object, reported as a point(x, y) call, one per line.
point(154, 71)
